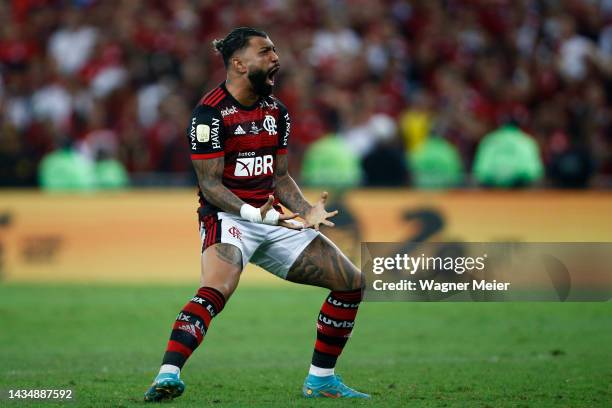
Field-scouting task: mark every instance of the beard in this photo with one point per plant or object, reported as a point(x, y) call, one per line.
point(259, 82)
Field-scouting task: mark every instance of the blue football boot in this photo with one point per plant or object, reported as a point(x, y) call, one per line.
point(329, 387)
point(165, 386)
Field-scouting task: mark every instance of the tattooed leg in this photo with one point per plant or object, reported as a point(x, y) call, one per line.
point(323, 264)
point(221, 266)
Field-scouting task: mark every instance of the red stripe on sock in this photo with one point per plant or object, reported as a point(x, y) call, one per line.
point(198, 333)
point(353, 296)
point(326, 348)
point(178, 347)
point(199, 311)
point(332, 331)
point(338, 313)
point(216, 299)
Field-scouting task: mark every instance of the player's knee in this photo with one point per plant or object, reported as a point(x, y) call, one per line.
point(226, 289)
point(225, 286)
point(221, 267)
point(358, 281)
point(354, 280)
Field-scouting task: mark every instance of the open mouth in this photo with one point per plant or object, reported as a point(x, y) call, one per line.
point(271, 74)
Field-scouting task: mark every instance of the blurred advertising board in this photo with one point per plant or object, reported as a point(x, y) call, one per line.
point(152, 236)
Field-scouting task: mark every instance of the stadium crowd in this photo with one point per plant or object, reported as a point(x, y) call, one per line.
point(118, 79)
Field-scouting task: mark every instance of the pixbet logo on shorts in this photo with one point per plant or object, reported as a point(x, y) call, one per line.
point(254, 166)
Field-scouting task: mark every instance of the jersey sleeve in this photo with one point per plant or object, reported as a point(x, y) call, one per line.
point(206, 135)
point(284, 129)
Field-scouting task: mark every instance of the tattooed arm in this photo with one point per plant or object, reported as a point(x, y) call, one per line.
point(291, 197)
point(210, 173)
point(287, 191)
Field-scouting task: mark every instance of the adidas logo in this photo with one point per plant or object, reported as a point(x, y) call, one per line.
point(189, 328)
point(239, 131)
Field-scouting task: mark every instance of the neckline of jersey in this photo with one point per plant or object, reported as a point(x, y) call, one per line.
point(241, 106)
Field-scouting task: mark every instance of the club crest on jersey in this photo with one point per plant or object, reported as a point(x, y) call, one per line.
point(229, 111)
point(270, 124)
point(254, 166)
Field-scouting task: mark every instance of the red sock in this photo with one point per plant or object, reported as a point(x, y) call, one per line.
point(334, 326)
point(191, 325)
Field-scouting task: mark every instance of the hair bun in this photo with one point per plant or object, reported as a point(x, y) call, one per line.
point(219, 45)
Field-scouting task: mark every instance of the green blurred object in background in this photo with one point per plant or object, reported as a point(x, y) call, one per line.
point(508, 157)
point(66, 170)
point(110, 174)
point(330, 162)
point(436, 164)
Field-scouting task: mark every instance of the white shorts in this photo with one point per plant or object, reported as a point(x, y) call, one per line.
point(271, 247)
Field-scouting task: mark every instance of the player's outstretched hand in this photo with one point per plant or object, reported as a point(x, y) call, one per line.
point(317, 215)
point(284, 220)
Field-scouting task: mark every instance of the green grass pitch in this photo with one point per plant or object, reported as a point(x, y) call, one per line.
point(106, 343)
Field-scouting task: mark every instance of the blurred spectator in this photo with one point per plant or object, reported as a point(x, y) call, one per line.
point(66, 170)
point(436, 164)
point(416, 121)
point(110, 173)
point(72, 44)
point(384, 165)
point(456, 68)
point(507, 157)
point(570, 164)
point(329, 162)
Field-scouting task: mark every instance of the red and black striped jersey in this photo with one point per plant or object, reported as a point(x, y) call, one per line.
point(248, 137)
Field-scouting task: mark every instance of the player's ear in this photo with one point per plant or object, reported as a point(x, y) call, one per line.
point(238, 65)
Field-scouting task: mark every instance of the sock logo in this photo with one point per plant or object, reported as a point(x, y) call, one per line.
point(337, 303)
point(345, 324)
point(189, 328)
point(204, 302)
point(211, 310)
point(198, 300)
point(200, 326)
point(182, 317)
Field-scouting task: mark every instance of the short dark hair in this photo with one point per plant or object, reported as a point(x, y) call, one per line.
point(237, 39)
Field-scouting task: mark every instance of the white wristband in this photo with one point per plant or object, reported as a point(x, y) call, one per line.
point(250, 213)
point(271, 217)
